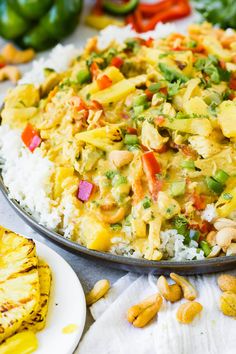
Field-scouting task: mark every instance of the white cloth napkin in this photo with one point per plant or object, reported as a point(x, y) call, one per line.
point(211, 333)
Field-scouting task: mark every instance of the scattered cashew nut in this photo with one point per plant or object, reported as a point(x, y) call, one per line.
point(190, 293)
point(188, 311)
point(98, 291)
point(121, 158)
point(172, 292)
point(215, 251)
point(211, 238)
point(228, 303)
point(141, 314)
point(221, 223)
point(112, 217)
point(12, 55)
point(10, 73)
point(227, 282)
point(225, 236)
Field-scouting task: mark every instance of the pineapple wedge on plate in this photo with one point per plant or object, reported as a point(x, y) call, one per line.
point(19, 281)
point(37, 320)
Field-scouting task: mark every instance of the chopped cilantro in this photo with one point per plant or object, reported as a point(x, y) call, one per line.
point(173, 88)
point(110, 174)
point(171, 74)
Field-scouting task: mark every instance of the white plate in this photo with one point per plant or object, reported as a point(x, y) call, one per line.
point(66, 306)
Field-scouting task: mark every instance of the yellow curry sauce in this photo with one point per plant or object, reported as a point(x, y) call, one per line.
point(142, 136)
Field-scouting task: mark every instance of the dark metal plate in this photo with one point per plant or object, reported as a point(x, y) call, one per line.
point(125, 263)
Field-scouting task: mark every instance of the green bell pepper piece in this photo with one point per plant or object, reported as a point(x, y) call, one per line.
point(119, 9)
point(31, 9)
point(12, 25)
point(38, 39)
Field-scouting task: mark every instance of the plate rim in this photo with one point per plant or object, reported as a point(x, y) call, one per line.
point(116, 259)
point(51, 251)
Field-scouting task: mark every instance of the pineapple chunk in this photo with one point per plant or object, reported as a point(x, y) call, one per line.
point(114, 93)
point(196, 105)
point(112, 72)
point(94, 234)
point(22, 96)
point(198, 126)
point(226, 203)
point(227, 118)
point(18, 117)
point(151, 55)
point(61, 174)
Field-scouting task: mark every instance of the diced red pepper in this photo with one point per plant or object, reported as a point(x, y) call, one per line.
point(149, 94)
point(131, 130)
point(151, 169)
point(232, 83)
point(164, 90)
point(199, 201)
point(2, 64)
point(31, 138)
point(148, 42)
point(104, 82)
point(94, 69)
point(117, 62)
point(222, 64)
point(96, 106)
point(85, 190)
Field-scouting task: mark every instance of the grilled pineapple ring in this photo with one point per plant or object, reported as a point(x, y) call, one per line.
point(19, 281)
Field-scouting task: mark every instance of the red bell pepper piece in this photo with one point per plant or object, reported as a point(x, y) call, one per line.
point(232, 83)
point(151, 169)
point(117, 62)
point(148, 10)
point(31, 138)
point(104, 82)
point(199, 201)
point(85, 190)
point(131, 130)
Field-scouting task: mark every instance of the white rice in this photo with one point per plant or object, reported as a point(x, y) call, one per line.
point(27, 177)
point(209, 213)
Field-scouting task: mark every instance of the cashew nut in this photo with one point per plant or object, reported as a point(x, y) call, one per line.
point(211, 238)
point(221, 223)
point(231, 250)
point(172, 292)
point(228, 303)
point(225, 236)
point(215, 251)
point(227, 282)
point(190, 293)
point(188, 311)
point(14, 56)
point(121, 158)
point(140, 314)
point(10, 73)
point(98, 291)
point(112, 217)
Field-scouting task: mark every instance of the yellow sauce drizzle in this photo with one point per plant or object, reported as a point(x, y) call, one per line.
point(21, 343)
point(69, 329)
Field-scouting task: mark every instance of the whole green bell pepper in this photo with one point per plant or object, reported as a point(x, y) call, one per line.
point(38, 24)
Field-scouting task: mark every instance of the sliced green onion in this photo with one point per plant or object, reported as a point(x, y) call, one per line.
point(205, 247)
point(131, 139)
point(221, 176)
point(188, 164)
point(140, 100)
point(138, 110)
point(147, 203)
point(116, 227)
point(118, 180)
point(227, 196)
point(153, 88)
point(178, 188)
point(83, 76)
point(214, 186)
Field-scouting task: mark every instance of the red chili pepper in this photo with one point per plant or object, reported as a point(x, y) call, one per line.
point(117, 62)
point(149, 42)
point(151, 168)
point(31, 138)
point(104, 82)
point(149, 94)
point(131, 130)
point(199, 201)
point(85, 190)
point(94, 69)
point(164, 90)
point(97, 8)
point(149, 9)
